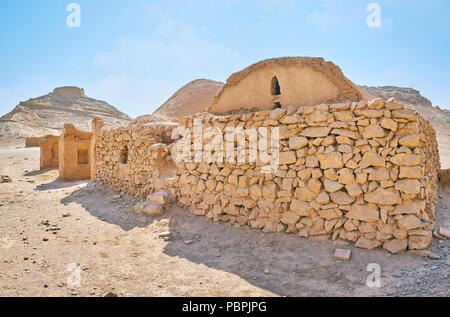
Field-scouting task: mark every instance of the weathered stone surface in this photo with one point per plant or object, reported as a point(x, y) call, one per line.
point(149, 208)
point(347, 133)
point(408, 186)
point(410, 207)
point(379, 174)
point(409, 222)
point(374, 131)
point(342, 198)
point(290, 218)
point(162, 198)
point(331, 186)
point(396, 246)
point(368, 244)
point(370, 113)
point(331, 160)
point(411, 172)
point(404, 159)
point(296, 143)
point(316, 132)
point(419, 242)
point(405, 114)
point(411, 141)
point(342, 255)
point(382, 196)
point(300, 208)
point(389, 124)
point(287, 158)
point(372, 159)
point(354, 190)
point(365, 213)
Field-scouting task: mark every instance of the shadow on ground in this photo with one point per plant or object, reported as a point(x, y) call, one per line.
point(285, 265)
point(100, 203)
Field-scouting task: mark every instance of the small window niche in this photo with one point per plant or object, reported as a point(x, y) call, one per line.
point(124, 155)
point(275, 88)
point(83, 154)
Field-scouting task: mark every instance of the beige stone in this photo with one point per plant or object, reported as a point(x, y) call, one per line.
point(372, 159)
point(404, 159)
point(342, 198)
point(409, 222)
point(411, 141)
point(331, 160)
point(409, 207)
point(316, 132)
point(365, 213)
point(419, 242)
point(149, 208)
point(396, 246)
point(354, 190)
point(342, 255)
point(389, 124)
point(408, 186)
point(411, 172)
point(382, 196)
point(290, 218)
point(373, 131)
point(287, 158)
point(296, 143)
point(368, 244)
point(162, 198)
point(332, 186)
point(300, 208)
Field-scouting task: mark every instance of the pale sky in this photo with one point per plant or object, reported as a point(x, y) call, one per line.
point(135, 54)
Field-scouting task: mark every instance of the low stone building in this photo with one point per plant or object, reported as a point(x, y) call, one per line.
point(49, 146)
point(74, 154)
point(363, 172)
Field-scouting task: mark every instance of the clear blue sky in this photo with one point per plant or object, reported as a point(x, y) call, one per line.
point(134, 54)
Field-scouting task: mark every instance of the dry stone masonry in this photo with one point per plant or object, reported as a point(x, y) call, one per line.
point(362, 172)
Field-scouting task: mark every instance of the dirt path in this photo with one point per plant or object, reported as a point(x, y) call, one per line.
point(120, 252)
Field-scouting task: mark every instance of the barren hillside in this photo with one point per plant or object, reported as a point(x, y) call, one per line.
point(192, 98)
point(49, 113)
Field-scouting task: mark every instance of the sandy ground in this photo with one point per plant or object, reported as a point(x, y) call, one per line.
point(47, 225)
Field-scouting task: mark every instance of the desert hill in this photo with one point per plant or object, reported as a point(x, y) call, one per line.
point(48, 114)
point(192, 98)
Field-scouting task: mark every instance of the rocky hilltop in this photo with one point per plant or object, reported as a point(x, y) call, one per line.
point(49, 113)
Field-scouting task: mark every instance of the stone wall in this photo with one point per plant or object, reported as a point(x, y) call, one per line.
point(364, 173)
point(74, 157)
point(33, 141)
point(135, 159)
point(49, 151)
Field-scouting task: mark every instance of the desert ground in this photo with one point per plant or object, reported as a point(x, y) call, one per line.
point(47, 225)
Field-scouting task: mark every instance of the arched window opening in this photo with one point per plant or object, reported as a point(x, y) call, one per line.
point(124, 155)
point(275, 88)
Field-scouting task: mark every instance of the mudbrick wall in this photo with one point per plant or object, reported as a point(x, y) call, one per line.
point(362, 172)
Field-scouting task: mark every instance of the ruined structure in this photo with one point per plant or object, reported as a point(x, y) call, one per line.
point(33, 141)
point(359, 171)
point(74, 154)
point(284, 82)
point(49, 151)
